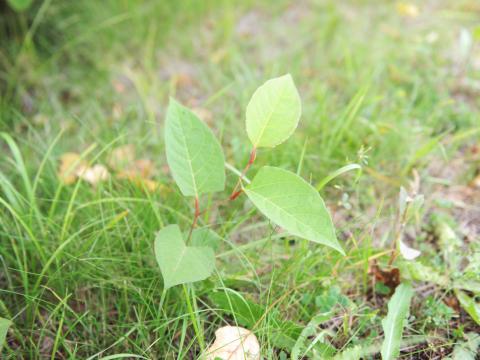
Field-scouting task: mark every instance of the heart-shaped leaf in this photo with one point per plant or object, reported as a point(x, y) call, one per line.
point(181, 264)
point(292, 203)
point(194, 155)
point(4, 325)
point(205, 236)
point(273, 112)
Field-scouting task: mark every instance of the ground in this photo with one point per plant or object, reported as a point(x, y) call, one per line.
point(390, 86)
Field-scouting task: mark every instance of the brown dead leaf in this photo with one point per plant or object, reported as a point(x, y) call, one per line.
point(149, 185)
point(476, 182)
point(234, 343)
point(407, 10)
point(94, 174)
point(452, 302)
point(70, 166)
point(142, 168)
point(183, 80)
point(391, 278)
point(139, 173)
point(122, 157)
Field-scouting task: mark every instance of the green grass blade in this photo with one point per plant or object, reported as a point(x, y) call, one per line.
point(337, 173)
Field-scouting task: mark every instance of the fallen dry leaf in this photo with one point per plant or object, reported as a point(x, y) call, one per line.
point(452, 302)
point(73, 168)
point(70, 166)
point(94, 174)
point(141, 169)
point(234, 343)
point(183, 80)
point(476, 182)
point(144, 167)
point(149, 185)
point(391, 278)
point(407, 9)
point(121, 157)
point(123, 162)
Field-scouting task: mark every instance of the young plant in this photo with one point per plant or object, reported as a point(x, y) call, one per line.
point(197, 165)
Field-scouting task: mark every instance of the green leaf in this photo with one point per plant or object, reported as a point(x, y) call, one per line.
point(304, 343)
point(414, 270)
point(353, 353)
point(393, 323)
point(336, 173)
point(245, 312)
point(469, 304)
point(205, 236)
point(292, 203)
point(467, 350)
point(4, 325)
point(181, 264)
point(465, 283)
point(194, 155)
point(19, 5)
point(273, 112)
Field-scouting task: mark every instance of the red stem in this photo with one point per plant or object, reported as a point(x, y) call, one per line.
point(235, 193)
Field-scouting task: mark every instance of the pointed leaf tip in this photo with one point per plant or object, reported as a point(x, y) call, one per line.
point(292, 203)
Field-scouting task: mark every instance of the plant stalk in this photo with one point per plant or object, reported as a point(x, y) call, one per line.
point(236, 192)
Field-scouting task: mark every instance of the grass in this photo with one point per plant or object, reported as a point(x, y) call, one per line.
point(393, 93)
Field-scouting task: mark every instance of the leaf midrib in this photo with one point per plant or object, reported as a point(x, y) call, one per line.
point(189, 161)
point(269, 117)
point(285, 212)
point(180, 257)
point(391, 328)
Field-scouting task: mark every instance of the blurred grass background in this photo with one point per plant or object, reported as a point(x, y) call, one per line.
point(392, 86)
